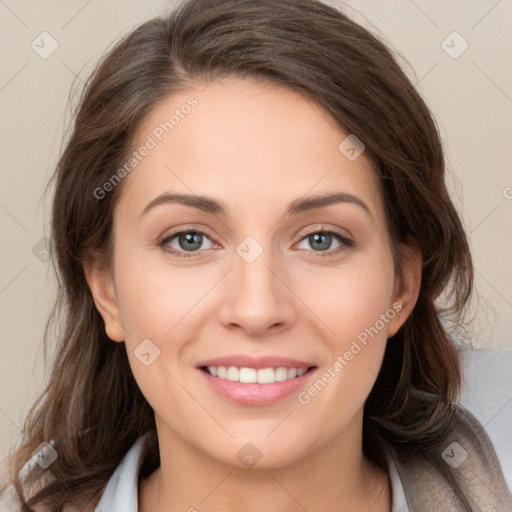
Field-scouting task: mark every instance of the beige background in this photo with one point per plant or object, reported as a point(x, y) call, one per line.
point(471, 97)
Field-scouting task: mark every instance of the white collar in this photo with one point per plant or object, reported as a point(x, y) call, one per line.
point(121, 492)
point(399, 503)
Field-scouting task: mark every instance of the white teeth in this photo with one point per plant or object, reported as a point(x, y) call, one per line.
point(281, 374)
point(253, 375)
point(266, 376)
point(248, 375)
point(233, 373)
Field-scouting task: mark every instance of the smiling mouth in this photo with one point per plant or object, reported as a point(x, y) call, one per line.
point(246, 375)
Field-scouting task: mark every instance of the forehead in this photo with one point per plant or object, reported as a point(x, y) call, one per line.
point(250, 144)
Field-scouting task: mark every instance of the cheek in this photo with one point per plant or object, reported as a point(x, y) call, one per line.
point(151, 302)
point(354, 306)
point(153, 297)
point(351, 299)
point(155, 306)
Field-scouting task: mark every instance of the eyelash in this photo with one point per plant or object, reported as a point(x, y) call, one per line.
point(346, 243)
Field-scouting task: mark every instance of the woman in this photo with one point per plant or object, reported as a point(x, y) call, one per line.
point(251, 228)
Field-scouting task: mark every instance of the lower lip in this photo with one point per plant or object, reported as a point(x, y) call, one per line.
point(256, 394)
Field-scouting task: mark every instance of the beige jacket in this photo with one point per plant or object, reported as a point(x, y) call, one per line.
point(468, 457)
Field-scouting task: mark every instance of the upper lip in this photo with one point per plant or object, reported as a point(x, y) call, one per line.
point(243, 361)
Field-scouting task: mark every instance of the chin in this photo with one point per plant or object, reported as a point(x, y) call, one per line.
point(258, 452)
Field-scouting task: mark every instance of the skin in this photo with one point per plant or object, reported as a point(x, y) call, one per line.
point(255, 147)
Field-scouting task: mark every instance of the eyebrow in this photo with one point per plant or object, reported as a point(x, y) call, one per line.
point(216, 207)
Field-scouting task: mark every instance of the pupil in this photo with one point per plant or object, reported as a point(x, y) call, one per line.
point(191, 241)
point(317, 237)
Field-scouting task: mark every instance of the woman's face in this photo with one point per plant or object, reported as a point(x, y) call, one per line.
point(251, 281)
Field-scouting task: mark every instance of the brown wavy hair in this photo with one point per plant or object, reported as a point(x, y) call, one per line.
point(92, 408)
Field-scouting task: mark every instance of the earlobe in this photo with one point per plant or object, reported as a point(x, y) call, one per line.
point(407, 286)
point(102, 288)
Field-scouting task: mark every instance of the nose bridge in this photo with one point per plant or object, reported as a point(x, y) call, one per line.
point(252, 269)
point(257, 299)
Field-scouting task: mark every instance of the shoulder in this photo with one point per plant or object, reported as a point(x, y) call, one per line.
point(470, 449)
point(461, 471)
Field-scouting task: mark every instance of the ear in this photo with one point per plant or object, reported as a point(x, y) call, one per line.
point(407, 286)
point(100, 280)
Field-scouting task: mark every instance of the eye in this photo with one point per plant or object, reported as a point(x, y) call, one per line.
point(321, 241)
point(188, 242)
point(185, 243)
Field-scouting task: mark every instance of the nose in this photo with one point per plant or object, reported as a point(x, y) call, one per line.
point(256, 297)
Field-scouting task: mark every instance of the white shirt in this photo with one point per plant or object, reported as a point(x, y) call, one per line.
point(121, 492)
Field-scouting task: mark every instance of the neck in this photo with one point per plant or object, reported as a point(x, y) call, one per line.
point(335, 477)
